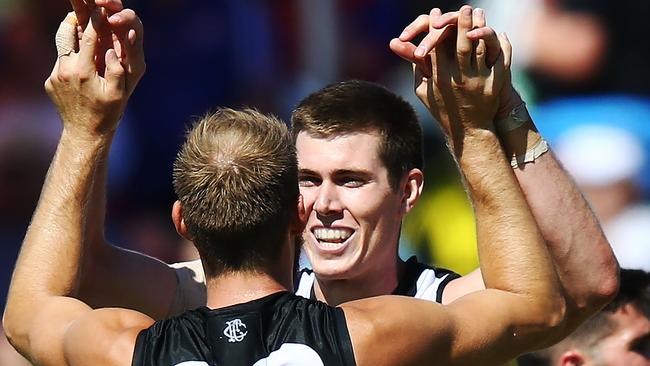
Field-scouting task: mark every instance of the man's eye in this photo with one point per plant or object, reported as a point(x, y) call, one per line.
point(308, 181)
point(353, 182)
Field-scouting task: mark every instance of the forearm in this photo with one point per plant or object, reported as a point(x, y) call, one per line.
point(49, 260)
point(513, 255)
point(570, 228)
point(114, 277)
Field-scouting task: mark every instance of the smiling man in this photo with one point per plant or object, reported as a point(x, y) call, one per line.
point(360, 158)
point(236, 178)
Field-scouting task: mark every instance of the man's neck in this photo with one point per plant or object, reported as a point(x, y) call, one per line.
point(382, 281)
point(240, 287)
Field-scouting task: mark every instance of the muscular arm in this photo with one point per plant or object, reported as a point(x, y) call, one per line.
point(112, 276)
point(40, 310)
point(39, 318)
point(523, 306)
point(568, 225)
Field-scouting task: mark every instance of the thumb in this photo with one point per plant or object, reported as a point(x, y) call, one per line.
point(66, 36)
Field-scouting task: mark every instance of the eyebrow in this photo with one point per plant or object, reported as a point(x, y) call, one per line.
point(339, 172)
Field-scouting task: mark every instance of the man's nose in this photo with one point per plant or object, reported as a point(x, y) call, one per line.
point(328, 202)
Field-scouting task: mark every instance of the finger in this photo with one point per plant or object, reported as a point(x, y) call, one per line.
point(433, 39)
point(406, 51)
point(130, 32)
point(88, 46)
point(506, 48)
point(113, 6)
point(114, 73)
point(66, 36)
point(403, 49)
point(464, 46)
point(450, 18)
point(82, 8)
point(105, 40)
point(129, 29)
point(478, 18)
point(492, 45)
point(419, 25)
point(480, 52)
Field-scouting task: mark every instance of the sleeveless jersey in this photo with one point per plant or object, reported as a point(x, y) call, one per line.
point(419, 280)
point(279, 329)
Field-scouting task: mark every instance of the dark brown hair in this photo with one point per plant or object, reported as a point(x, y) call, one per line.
point(361, 106)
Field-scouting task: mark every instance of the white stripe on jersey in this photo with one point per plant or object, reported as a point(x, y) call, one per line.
point(427, 284)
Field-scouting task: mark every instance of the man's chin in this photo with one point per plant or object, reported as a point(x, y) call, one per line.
point(331, 270)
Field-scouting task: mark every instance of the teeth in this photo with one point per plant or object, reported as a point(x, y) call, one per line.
point(332, 234)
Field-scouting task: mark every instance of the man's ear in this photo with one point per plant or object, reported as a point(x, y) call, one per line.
point(299, 221)
point(572, 358)
point(412, 189)
point(179, 221)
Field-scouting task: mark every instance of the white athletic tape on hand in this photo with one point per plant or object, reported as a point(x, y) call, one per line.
point(66, 36)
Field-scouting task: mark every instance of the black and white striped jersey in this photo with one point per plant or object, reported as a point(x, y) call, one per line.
point(419, 280)
point(281, 329)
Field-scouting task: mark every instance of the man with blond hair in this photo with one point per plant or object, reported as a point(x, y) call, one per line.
point(236, 178)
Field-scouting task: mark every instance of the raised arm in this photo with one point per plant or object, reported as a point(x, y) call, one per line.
point(110, 275)
point(40, 313)
point(548, 189)
point(523, 307)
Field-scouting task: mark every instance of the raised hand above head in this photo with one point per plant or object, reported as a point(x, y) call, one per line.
point(463, 85)
point(84, 8)
point(89, 99)
point(441, 29)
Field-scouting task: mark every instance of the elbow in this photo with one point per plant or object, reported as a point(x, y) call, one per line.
point(608, 286)
point(553, 323)
point(603, 289)
point(557, 315)
point(12, 330)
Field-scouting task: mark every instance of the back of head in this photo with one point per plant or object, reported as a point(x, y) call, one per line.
point(360, 106)
point(236, 179)
point(634, 290)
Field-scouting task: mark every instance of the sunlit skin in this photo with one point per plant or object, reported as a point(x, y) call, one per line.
point(629, 344)
point(345, 187)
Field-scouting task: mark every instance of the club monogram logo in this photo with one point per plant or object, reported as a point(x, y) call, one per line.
point(235, 330)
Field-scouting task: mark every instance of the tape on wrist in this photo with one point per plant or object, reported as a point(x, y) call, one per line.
point(530, 155)
point(515, 119)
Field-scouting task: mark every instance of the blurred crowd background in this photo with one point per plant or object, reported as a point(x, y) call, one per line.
point(582, 66)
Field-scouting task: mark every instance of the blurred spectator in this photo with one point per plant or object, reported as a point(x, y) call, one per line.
point(618, 335)
point(575, 47)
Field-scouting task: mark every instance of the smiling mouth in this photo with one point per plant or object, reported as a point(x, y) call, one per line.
point(332, 238)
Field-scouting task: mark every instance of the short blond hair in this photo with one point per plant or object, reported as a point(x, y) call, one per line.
point(236, 179)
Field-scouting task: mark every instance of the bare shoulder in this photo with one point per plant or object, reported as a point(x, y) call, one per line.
point(398, 330)
point(104, 337)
